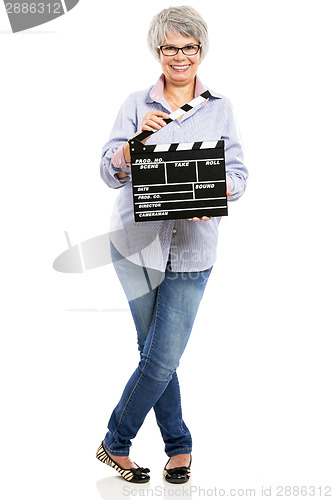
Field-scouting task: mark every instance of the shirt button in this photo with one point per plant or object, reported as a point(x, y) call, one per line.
point(174, 231)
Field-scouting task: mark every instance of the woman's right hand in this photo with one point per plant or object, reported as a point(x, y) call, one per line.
point(153, 120)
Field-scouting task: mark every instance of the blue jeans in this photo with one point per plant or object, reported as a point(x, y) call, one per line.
point(164, 318)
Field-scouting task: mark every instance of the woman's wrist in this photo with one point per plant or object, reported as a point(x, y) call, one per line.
point(126, 153)
point(123, 155)
point(121, 175)
point(119, 161)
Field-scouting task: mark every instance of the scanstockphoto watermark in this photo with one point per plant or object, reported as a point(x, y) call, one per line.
point(26, 15)
point(187, 491)
point(137, 249)
point(280, 491)
point(141, 245)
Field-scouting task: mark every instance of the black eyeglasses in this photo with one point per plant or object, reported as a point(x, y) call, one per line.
point(188, 50)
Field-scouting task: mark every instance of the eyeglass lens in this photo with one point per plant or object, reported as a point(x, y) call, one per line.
point(188, 50)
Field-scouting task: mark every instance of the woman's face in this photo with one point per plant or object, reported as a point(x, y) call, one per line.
point(179, 69)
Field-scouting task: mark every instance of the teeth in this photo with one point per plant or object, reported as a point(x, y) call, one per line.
point(181, 67)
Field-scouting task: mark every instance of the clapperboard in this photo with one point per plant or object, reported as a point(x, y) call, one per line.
point(180, 180)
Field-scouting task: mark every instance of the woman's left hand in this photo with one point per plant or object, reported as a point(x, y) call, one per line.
point(204, 217)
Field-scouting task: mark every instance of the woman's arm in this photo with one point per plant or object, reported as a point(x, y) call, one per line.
point(115, 168)
point(236, 171)
point(153, 120)
point(113, 161)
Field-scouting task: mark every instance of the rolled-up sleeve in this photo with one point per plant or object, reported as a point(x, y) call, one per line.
point(236, 171)
point(112, 161)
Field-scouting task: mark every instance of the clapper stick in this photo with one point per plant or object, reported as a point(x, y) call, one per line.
point(176, 114)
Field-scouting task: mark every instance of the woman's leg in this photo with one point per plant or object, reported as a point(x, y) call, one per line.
point(136, 283)
point(168, 411)
point(177, 300)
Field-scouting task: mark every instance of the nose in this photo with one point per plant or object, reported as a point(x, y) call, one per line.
point(180, 56)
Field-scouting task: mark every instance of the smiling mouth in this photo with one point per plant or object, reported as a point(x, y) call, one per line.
point(179, 68)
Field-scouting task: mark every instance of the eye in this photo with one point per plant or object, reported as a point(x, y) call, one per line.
point(191, 49)
point(170, 49)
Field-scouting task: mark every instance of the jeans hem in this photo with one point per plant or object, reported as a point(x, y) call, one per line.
point(118, 453)
point(179, 452)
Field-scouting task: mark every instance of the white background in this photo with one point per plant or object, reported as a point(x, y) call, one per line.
point(256, 376)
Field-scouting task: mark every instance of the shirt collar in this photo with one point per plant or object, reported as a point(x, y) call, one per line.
point(156, 93)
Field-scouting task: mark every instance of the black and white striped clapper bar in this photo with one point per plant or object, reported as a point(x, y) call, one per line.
point(178, 181)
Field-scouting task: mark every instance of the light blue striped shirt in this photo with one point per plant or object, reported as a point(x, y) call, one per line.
point(190, 244)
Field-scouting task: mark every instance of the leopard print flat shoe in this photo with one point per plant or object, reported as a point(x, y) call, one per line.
point(132, 475)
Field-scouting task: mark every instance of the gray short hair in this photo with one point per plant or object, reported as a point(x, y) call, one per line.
point(184, 20)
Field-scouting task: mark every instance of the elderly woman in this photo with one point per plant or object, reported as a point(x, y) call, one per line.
point(164, 265)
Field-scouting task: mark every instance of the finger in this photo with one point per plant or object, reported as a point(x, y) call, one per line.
point(158, 119)
point(228, 193)
point(145, 127)
point(155, 119)
point(160, 113)
point(205, 217)
point(161, 121)
point(151, 124)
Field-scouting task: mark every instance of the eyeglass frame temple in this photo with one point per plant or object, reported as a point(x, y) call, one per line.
point(160, 47)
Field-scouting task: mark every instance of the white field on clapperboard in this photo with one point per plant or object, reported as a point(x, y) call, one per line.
point(256, 374)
